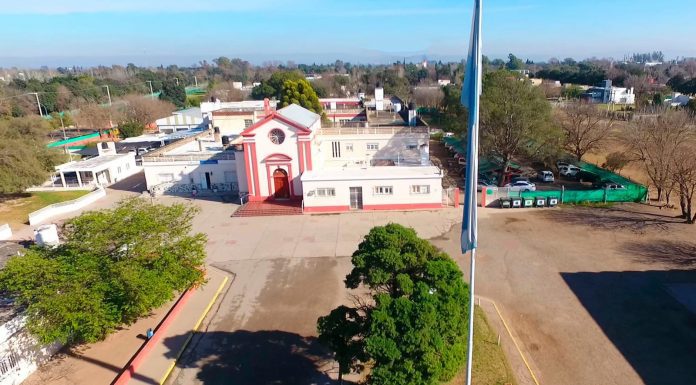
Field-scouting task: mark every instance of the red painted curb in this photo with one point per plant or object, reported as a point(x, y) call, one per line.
point(129, 371)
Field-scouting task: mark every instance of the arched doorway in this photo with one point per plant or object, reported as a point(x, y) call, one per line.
point(281, 184)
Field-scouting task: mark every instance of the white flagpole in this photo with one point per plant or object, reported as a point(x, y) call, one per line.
point(470, 350)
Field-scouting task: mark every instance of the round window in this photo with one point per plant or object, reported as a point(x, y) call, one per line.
point(277, 136)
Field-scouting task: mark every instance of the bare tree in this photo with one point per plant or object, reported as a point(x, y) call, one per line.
point(655, 142)
point(428, 97)
point(143, 110)
point(683, 176)
point(93, 116)
point(585, 128)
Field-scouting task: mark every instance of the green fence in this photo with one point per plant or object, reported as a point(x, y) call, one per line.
point(632, 193)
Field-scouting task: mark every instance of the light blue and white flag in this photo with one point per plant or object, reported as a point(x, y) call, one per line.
point(471, 95)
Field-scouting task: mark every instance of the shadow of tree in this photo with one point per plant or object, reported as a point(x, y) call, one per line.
point(674, 253)
point(623, 217)
point(261, 357)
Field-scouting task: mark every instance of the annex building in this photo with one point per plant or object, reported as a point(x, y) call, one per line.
point(288, 154)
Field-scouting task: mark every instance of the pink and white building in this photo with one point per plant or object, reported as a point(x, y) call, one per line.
point(288, 155)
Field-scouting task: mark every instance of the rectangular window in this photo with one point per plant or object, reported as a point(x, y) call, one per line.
point(349, 147)
point(373, 146)
point(326, 192)
point(420, 189)
point(336, 149)
point(248, 123)
point(412, 146)
point(384, 190)
point(119, 169)
point(127, 166)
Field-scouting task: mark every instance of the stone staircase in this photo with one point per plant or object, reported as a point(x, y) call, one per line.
point(270, 208)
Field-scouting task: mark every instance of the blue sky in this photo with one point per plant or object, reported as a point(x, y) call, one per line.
point(152, 32)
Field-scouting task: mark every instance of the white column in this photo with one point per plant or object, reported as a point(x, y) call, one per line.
point(79, 180)
point(94, 179)
point(62, 179)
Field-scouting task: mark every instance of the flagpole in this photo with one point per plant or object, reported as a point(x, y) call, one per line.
point(470, 348)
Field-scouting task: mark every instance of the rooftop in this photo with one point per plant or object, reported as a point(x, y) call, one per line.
point(299, 115)
point(372, 173)
point(96, 163)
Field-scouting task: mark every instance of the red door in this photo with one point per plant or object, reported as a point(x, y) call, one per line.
point(280, 182)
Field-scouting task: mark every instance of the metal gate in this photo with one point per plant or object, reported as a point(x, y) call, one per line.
point(356, 198)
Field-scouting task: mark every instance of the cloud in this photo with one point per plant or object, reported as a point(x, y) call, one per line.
point(57, 7)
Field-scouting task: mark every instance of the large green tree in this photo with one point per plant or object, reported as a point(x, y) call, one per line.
point(25, 160)
point(273, 87)
point(300, 92)
point(113, 267)
point(413, 331)
point(516, 120)
point(173, 93)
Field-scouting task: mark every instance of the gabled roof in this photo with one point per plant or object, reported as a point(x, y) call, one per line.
point(293, 115)
point(299, 114)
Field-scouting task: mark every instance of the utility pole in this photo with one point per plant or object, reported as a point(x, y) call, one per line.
point(177, 81)
point(60, 115)
point(195, 79)
point(38, 103)
point(152, 94)
point(108, 94)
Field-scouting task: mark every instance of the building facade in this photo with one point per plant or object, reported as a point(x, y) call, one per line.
point(288, 155)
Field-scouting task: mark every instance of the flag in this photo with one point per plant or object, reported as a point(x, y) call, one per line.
point(471, 95)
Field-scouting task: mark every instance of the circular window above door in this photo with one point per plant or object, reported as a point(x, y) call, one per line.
point(276, 136)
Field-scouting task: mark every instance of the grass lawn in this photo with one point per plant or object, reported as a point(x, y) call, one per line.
point(490, 364)
point(15, 209)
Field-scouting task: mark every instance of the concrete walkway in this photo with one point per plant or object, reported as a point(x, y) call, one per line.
point(158, 364)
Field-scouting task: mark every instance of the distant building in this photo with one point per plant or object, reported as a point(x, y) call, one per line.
point(608, 94)
point(188, 119)
point(678, 100)
point(443, 82)
point(344, 111)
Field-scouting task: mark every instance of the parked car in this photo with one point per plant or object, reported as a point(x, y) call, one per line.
point(521, 186)
point(483, 184)
point(608, 185)
point(519, 179)
point(569, 170)
point(545, 176)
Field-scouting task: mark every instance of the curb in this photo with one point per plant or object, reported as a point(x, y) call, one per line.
point(193, 331)
point(129, 371)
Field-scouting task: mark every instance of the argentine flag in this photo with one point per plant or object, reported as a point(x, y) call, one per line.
point(471, 95)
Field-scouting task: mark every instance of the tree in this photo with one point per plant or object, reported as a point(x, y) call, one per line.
point(173, 93)
point(654, 142)
point(413, 331)
point(585, 128)
point(616, 161)
point(428, 97)
point(514, 63)
point(113, 267)
point(340, 331)
point(300, 92)
point(684, 179)
point(273, 87)
point(25, 160)
point(130, 129)
point(516, 120)
point(140, 110)
point(94, 116)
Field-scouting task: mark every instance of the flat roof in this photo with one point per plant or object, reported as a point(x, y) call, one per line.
point(96, 163)
point(371, 173)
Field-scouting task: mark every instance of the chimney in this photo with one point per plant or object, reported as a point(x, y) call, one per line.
point(216, 134)
point(267, 106)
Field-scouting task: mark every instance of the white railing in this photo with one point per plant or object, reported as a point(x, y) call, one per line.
point(187, 157)
point(5, 232)
point(55, 209)
point(373, 130)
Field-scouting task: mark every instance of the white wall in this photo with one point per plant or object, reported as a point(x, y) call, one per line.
point(124, 168)
point(20, 352)
point(391, 146)
point(55, 209)
point(233, 124)
point(401, 192)
point(5, 232)
point(191, 172)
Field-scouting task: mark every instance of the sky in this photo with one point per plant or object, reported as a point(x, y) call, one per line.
point(154, 32)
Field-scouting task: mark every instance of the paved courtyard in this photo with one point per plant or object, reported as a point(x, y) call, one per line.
point(594, 296)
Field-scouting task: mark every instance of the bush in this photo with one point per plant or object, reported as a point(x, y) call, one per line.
point(130, 129)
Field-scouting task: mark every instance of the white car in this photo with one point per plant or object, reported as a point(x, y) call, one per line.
point(545, 176)
point(569, 170)
point(521, 185)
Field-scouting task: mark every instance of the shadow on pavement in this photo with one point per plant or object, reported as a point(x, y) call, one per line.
point(654, 332)
point(620, 217)
point(261, 358)
point(677, 254)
